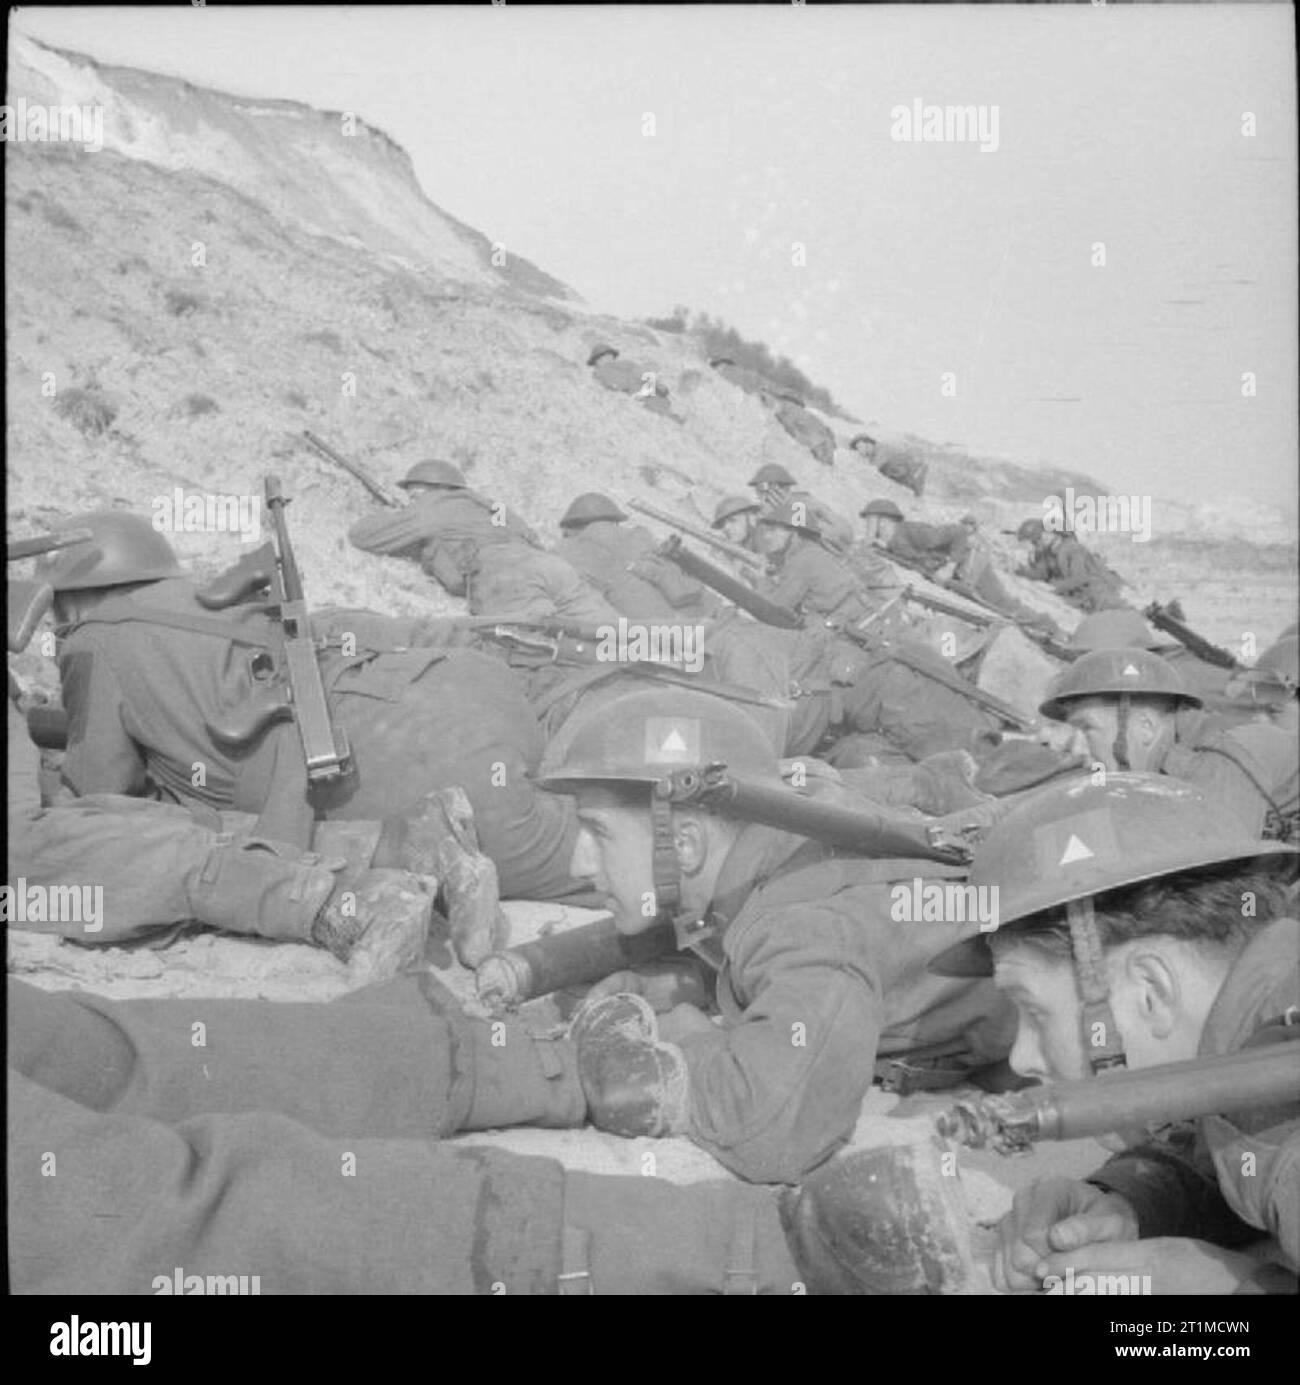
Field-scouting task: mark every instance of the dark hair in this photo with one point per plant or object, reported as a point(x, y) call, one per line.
point(1203, 907)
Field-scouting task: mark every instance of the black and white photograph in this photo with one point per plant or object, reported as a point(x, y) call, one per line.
point(653, 651)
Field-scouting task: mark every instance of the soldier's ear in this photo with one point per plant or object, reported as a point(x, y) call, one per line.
point(691, 841)
point(1156, 998)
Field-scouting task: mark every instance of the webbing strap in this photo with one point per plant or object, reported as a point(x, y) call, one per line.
point(1090, 968)
point(667, 880)
point(111, 613)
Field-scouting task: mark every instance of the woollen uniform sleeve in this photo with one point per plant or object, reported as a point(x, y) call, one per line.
point(389, 532)
point(101, 757)
point(777, 1090)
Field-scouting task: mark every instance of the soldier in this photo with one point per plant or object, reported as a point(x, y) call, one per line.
point(808, 579)
point(977, 573)
point(741, 376)
point(502, 577)
point(774, 487)
point(161, 694)
point(805, 428)
point(1273, 735)
point(621, 563)
point(1129, 709)
point(1073, 572)
point(903, 470)
point(441, 500)
point(1123, 939)
point(735, 516)
point(815, 977)
point(929, 547)
point(365, 893)
point(218, 1163)
point(628, 377)
point(1123, 627)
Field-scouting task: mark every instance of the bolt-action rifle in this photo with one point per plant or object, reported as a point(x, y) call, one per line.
point(705, 536)
point(375, 487)
point(1263, 1076)
point(1164, 618)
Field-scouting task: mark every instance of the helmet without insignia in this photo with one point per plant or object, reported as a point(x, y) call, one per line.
point(588, 508)
point(123, 548)
point(434, 473)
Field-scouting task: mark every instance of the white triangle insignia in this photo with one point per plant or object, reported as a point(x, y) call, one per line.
point(1131, 672)
point(1075, 850)
point(673, 743)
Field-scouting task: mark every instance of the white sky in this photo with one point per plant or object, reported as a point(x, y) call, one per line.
point(1116, 124)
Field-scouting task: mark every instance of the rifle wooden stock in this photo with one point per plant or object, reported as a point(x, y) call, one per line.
point(576, 957)
point(862, 830)
point(375, 487)
point(769, 612)
point(44, 543)
point(707, 536)
point(1160, 617)
point(1254, 1078)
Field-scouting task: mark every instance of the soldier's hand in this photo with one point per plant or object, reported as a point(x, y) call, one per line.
point(1172, 1264)
point(1055, 1214)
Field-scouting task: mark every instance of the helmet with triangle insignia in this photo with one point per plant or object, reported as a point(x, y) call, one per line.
point(1076, 838)
point(642, 737)
point(1116, 672)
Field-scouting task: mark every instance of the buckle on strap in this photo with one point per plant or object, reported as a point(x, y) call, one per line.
point(575, 1262)
point(741, 1277)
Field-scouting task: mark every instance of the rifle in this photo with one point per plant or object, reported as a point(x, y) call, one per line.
point(576, 957)
point(28, 601)
point(536, 646)
point(1264, 1076)
point(769, 612)
point(376, 488)
point(732, 550)
point(860, 830)
point(44, 543)
point(300, 695)
point(1162, 618)
point(941, 673)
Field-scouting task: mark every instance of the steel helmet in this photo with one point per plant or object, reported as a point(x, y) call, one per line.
point(733, 505)
point(1076, 838)
point(1280, 664)
point(588, 508)
point(642, 737)
point(601, 349)
point(795, 514)
point(1031, 529)
point(1120, 628)
point(721, 360)
point(862, 437)
point(434, 473)
point(1116, 673)
point(123, 548)
point(772, 474)
point(881, 507)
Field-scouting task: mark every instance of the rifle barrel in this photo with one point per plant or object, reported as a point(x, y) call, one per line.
point(1268, 1075)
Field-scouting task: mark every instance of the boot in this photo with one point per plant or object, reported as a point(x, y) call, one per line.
point(377, 922)
point(442, 842)
point(634, 1083)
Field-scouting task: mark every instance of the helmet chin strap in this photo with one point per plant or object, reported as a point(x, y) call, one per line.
point(1120, 747)
point(1096, 1016)
point(666, 873)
